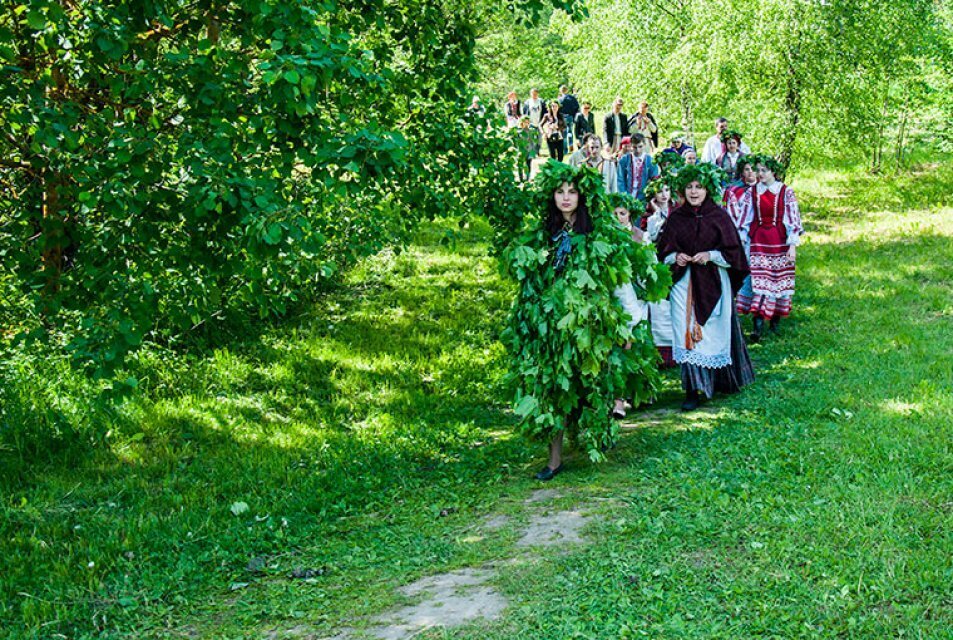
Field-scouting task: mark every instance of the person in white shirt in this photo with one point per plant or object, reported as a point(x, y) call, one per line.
point(535, 108)
point(714, 147)
point(659, 206)
point(615, 127)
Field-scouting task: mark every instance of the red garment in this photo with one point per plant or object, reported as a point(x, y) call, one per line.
point(732, 200)
point(636, 173)
point(772, 271)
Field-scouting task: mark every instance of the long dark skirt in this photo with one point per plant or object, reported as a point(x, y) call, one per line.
point(728, 379)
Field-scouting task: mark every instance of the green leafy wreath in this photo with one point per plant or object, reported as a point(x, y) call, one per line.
point(707, 174)
point(627, 201)
point(728, 134)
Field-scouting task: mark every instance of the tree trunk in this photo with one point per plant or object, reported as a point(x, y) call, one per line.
point(792, 107)
point(877, 161)
point(902, 129)
point(54, 236)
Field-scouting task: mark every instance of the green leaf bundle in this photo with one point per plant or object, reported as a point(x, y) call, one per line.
point(567, 333)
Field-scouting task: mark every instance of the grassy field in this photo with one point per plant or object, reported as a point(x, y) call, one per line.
point(287, 485)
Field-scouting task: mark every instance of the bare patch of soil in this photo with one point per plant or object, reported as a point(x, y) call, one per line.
point(554, 529)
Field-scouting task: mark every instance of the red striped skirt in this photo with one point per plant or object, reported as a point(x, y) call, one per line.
point(772, 275)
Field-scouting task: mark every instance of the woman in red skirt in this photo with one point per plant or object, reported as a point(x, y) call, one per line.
point(771, 221)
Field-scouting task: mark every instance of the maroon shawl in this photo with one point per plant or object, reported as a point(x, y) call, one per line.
point(692, 231)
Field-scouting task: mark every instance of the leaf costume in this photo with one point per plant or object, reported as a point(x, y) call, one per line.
point(566, 332)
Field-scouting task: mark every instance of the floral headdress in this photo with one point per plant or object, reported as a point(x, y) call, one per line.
point(654, 186)
point(773, 166)
point(669, 161)
point(751, 159)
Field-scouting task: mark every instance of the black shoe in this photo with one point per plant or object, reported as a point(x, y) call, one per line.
point(618, 414)
point(691, 401)
point(773, 325)
point(755, 336)
point(548, 474)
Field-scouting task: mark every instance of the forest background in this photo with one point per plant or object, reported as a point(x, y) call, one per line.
point(177, 179)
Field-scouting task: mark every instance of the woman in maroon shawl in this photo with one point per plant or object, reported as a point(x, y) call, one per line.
point(703, 248)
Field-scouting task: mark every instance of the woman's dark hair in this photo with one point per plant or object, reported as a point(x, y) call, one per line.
point(554, 217)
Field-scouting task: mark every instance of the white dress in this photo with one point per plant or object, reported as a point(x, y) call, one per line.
point(637, 309)
point(660, 313)
point(713, 351)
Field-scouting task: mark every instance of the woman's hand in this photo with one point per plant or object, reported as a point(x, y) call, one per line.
point(701, 258)
point(682, 259)
point(792, 253)
point(637, 234)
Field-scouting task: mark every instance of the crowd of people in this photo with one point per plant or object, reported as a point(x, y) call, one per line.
point(723, 221)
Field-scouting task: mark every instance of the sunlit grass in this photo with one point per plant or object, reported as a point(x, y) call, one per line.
point(815, 504)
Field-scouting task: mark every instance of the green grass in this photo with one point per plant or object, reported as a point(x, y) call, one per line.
point(370, 435)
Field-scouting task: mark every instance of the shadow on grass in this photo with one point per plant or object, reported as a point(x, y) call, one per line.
point(349, 431)
point(336, 425)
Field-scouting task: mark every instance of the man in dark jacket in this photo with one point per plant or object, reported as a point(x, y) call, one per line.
point(569, 107)
point(585, 122)
point(615, 125)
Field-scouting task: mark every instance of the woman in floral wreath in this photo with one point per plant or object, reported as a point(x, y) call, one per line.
point(704, 250)
point(747, 170)
point(771, 219)
point(574, 348)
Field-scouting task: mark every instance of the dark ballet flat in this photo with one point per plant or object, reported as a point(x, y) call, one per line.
point(548, 474)
point(691, 402)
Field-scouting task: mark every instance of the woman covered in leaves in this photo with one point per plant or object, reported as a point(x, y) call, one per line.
point(704, 250)
point(574, 348)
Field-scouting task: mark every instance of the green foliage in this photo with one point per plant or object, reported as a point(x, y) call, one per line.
point(513, 56)
point(802, 79)
point(626, 201)
point(167, 166)
point(669, 162)
point(369, 438)
point(566, 331)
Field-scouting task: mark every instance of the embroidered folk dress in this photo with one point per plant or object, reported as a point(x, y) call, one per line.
point(733, 195)
point(771, 222)
point(706, 334)
point(635, 172)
